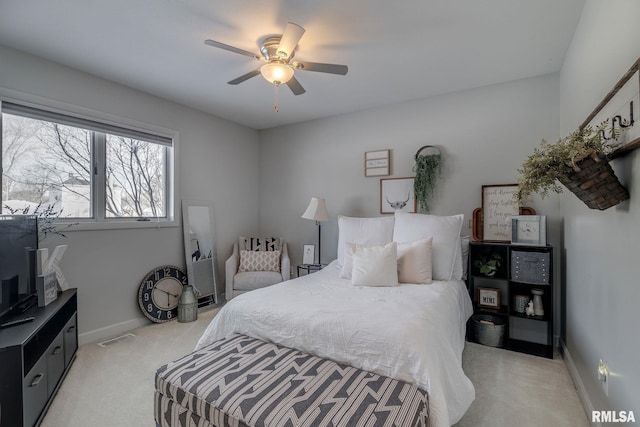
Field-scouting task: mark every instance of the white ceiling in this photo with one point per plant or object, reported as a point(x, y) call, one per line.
point(395, 50)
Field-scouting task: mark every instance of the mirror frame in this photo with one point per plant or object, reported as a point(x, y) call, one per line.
point(186, 204)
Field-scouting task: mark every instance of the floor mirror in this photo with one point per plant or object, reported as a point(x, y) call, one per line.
point(200, 247)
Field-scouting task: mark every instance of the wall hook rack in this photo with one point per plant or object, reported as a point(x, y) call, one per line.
point(623, 123)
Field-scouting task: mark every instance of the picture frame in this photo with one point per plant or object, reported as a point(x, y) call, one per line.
point(308, 254)
point(47, 286)
point(529, 230)
point(497, 209)
point(397, 195)
point(377, 163)
point(489, 298)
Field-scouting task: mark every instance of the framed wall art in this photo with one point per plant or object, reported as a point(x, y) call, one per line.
point(377, 163)
point(396, 194)
point(498, 207)
point(308, 254)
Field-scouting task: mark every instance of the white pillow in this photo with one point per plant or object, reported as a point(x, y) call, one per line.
point(375, 265)
point(414, 261)
point(349, 249)
point(373, 231)
point(462, 260)
point(445, 231)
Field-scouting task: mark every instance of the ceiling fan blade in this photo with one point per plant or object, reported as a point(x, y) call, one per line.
point(322, 68)
point(244, 77)
point(289, 41)
point(231, 48)
point(295, 86)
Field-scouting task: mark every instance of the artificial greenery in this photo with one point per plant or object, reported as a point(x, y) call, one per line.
point(488, 265)
point(551, 163)
point(48, 218)
point(428, 169)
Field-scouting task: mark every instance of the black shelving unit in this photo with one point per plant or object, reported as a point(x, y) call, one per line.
point(522, 269)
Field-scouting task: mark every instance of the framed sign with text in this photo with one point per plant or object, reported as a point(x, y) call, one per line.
point(489, 298)
point(497, 208)
point(376, 163)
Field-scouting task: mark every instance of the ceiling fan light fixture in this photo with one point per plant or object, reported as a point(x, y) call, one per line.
point(276, 73)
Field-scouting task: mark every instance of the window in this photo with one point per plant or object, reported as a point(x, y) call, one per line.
point(85, 169)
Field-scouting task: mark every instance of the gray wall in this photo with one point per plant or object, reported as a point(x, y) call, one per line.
point(601, 247)
point(218, 161)
point(484, 135)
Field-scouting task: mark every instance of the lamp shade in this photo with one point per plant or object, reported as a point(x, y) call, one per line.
point(275, 72)
point(317, 210)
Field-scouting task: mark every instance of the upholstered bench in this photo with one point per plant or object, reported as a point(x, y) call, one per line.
point(242, 381)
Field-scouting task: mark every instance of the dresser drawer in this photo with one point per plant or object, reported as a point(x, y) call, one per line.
point(34, 391)
point(70, 332)
point(530, 267)
point(55, 363)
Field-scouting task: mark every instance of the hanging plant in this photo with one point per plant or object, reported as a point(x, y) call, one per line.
point(428, 169)
point(579, 162)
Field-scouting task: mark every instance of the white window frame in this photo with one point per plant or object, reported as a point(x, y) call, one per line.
point(99, 220)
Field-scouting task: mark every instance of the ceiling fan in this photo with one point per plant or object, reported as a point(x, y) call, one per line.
point(278, 52)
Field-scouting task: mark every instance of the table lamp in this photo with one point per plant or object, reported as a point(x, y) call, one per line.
point(317, 211)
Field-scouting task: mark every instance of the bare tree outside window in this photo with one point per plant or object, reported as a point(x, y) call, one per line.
point(135, 178)
point(52, 164)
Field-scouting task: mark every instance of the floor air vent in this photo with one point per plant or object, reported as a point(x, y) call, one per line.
point(116, 340)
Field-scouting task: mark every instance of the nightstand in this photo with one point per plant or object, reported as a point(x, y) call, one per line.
point(310, 268)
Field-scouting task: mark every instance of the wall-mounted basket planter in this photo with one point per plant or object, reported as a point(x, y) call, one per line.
point(594, 182)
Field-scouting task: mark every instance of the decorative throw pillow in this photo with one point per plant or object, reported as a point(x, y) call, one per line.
point(259, 243)
point(372, 231)
point(350, 248)
point(445, 231)
point(414, 261)
point(259, 261)
point(375, 266)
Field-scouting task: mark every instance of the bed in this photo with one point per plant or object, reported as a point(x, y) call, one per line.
point(412, 332)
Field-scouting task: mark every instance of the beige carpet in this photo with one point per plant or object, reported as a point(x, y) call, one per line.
point(113, 386)
point(515, 389)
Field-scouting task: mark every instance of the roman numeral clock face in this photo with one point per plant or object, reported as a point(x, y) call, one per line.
point(160, 292)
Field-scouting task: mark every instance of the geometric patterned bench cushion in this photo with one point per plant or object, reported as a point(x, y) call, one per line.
point(242, 381)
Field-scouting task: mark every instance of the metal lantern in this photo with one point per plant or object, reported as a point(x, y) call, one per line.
point(188, 305)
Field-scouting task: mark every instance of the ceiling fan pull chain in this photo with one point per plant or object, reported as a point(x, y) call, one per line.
point(275, 97)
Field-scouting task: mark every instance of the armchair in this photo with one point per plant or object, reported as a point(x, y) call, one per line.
point(238, 282)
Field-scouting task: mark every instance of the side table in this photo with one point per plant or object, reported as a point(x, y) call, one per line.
point(310, 268)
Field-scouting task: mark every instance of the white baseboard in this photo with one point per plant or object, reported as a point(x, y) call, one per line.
point(577, 381)
point(110, 331)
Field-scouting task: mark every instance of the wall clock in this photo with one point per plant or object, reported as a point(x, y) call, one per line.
point(160, 292)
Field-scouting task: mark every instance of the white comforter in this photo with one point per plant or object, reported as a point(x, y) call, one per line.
point(413, 333)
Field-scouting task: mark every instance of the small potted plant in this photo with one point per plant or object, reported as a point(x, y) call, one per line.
point(579, 162)
point(488, 265)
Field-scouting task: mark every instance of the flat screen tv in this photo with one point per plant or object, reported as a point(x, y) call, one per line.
point(18, 245)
